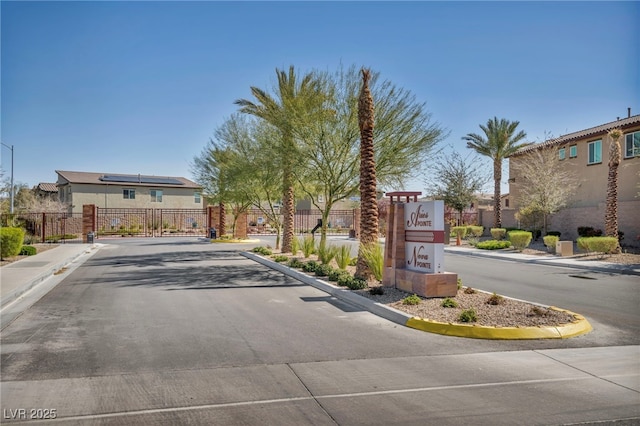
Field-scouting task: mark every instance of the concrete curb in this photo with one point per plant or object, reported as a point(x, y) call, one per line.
point(55, 267)
point(578, 327)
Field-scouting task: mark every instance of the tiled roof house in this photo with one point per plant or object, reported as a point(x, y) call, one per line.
point(587, 151)
point(111, 190)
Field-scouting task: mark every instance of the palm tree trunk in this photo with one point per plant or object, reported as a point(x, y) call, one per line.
point(611, 214)
point(497, 202)
point(368, 196)
point(288, 212)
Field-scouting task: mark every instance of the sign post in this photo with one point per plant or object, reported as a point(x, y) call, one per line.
point(414, 249)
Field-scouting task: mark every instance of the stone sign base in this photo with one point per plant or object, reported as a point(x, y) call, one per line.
point(444, 284)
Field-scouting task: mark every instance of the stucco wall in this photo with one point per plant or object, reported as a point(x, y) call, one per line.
point(111, 196)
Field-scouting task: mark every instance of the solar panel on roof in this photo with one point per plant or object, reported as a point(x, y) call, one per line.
point(141, 179)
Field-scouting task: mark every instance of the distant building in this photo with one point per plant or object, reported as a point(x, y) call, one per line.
point(46, 190)
point(110, 190)
point(587, 151)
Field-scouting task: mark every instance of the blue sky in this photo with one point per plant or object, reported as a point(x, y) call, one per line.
point(140, 87)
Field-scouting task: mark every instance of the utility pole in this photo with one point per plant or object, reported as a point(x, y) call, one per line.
point(12, 188)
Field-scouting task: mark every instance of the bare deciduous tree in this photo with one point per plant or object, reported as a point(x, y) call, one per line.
point(546, 184)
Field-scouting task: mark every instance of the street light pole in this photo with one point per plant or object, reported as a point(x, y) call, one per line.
point(12, 188)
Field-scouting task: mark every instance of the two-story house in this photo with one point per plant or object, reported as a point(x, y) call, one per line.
point(110, 190)
point(587, 152)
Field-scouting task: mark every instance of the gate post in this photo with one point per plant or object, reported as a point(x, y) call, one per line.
point(213, 218)
point(356, 223)
point(241, 226)
point(88, 220)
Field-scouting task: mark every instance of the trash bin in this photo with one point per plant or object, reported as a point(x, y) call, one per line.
point(212, 233)
point(90, 236)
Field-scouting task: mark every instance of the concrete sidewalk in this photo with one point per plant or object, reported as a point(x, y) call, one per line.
point(19, 277)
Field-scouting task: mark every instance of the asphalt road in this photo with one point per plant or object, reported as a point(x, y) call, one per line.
point(182, 331)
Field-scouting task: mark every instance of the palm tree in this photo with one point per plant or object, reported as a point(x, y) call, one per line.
point(501, 142)
point(611, 215)
point(368, 199)
point(291, 106)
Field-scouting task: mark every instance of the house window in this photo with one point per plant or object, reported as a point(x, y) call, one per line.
point(595, 152)
point(506, 202)
point(632, 145)
point(197, 198)
point(561, 153)
point(156, 195)
point(129, 194)
point(573, 151)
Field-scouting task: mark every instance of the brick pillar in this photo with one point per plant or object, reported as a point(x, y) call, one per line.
point(241, 226)
point(89, 220)
point(214, 218)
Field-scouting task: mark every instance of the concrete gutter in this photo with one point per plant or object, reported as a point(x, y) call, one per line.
point(579, 326)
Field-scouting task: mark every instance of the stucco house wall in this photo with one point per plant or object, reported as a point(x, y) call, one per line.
point(587, 205)
point(79, 188)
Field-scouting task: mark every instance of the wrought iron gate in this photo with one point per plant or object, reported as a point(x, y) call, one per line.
point(151, 222)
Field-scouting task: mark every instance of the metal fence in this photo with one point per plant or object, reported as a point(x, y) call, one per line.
point(47, 227)
point(151, 222)
point(339, 222)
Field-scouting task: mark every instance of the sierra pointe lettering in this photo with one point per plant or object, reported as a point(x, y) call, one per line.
point(419, 218)
point(419, 258)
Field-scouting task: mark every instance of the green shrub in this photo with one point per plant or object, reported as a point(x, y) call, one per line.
point(459, 283)
point(280, 258)
point(459, 231)
point(295, 245)
point(475, 231)
point(335, 274)
point(468, 315)
point(262, 250)
point(326, 253)
point(498, 233)
point(10, 241)
point(344, 278)
point(352, 282)
point(550, 241)
point(556, 233)
point(520, 240)
point(493, 245)
point(323, 270)
point(310, 266)
point(308, 246)
point(357, 284)
point(374, 258)
point(414, 299)
point(343, 256)
point(353, 261)
point(449, 303)
point(295, 263)
point(495, 299)
point(28, 251)
point(598, 244)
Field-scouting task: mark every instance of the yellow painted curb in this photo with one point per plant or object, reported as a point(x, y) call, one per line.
point(564, 331)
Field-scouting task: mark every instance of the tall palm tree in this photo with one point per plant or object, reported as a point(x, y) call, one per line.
point(368, 199)
point(501, 141)
point(611, 214)
point(289, 108)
